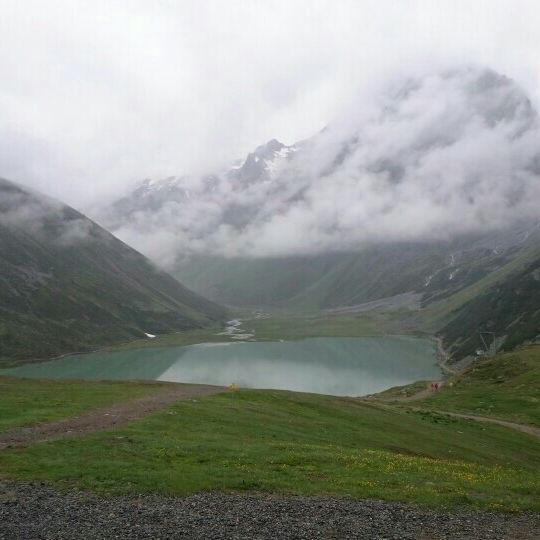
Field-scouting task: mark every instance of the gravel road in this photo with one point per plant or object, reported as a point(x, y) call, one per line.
point(36, 511)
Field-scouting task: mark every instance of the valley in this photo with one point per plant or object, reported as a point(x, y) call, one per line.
point(308, 444)
point(350, 323)
point(306, 400)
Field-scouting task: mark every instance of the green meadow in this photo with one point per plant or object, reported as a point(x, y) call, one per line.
point(275, 441)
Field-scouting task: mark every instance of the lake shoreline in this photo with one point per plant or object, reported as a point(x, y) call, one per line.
point(332, 366)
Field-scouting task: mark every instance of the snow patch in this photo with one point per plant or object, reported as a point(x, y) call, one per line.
point(284, 152)
point(270, 166)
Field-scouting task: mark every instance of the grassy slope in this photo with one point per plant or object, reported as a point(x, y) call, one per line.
point(25, 402)
point(313, 282)
point(373, 323)
point(287, 326)
point(186, 337)
point(438, 314)
point(62, 295)
point(506, 386)
point(335, 279)
point(460, 299)
point(238, 281)
point(510, 309)
point(296, 443)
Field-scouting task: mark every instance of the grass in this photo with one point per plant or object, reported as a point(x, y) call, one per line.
point(436, 315)
point(186, 337)
point(25, 402)
point(299, 444)
point(399, 392)
point(273, 441)
point(506, 387)
point(288, 327)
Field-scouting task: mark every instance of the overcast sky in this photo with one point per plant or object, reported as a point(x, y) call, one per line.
point(97, 94)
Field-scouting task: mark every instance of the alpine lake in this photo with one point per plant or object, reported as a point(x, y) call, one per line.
point(337, 366)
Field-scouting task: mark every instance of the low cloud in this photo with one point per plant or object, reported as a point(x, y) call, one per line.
point(430, 158)
point(42, 217)
point(96, 95)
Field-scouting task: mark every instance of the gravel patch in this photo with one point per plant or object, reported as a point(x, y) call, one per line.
point(37, 511)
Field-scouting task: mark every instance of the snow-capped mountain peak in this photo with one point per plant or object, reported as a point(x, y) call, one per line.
point(441, 155)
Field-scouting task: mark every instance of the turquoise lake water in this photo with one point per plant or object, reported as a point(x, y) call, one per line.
point(337, 366)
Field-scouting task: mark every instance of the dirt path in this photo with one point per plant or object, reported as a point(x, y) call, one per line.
point(523, 428)
point(422, 394)
point(531, 430)
point(106, 417)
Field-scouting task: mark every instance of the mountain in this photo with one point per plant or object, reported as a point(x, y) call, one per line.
point(505, 315)
point(178, 196)
point(432, 158)
point(432, 270)
point(429, 190)
point(69, 285)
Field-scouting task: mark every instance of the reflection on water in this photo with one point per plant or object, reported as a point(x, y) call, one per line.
point(338, 366)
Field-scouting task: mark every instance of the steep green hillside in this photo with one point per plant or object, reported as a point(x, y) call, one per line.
point(508, 311)
point(506, 387)
point(316, 282)
point(482, 284)
point(66, 284)
point(437, 270)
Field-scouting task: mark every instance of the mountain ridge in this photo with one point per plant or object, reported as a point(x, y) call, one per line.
point(69, 285)
point(428, 193)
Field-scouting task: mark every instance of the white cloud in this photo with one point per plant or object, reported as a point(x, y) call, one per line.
point(448, 153)
point(98, 94)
